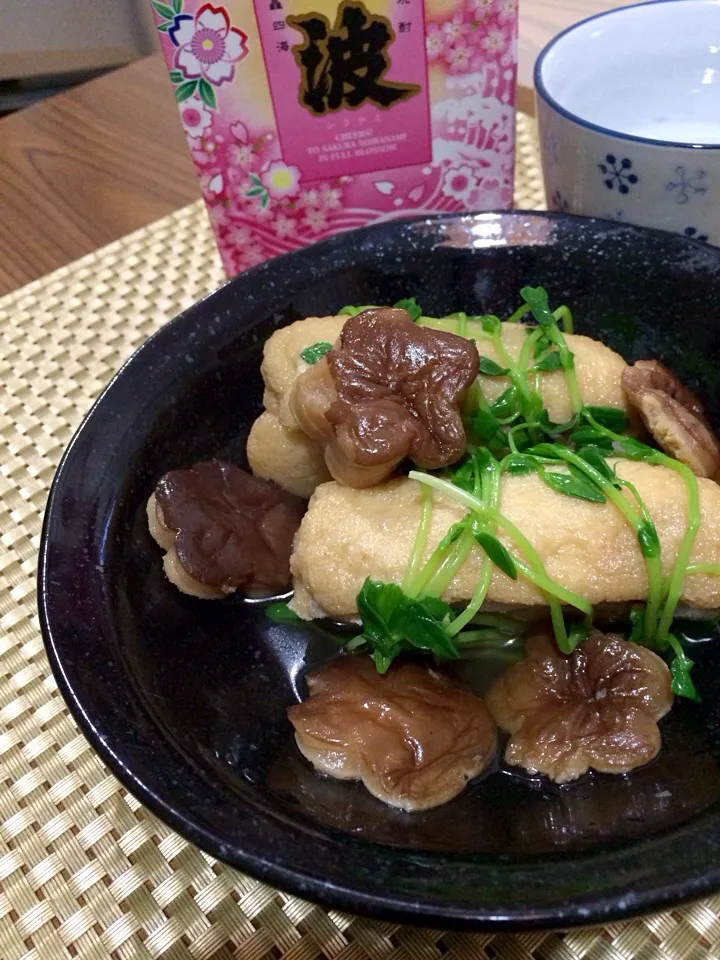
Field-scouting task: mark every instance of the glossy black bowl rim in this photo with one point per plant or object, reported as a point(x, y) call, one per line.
point(557, 915)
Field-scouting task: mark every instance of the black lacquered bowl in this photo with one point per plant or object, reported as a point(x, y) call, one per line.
point(185, 699)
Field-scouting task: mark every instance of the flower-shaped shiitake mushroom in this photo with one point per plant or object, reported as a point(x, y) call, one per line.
point(596, 708)
point(673, 415)
point(388, 390)
point(411, 735)
point(224, 530)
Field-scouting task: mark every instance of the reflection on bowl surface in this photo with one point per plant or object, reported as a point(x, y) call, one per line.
point(186, 699)
point(517, 814)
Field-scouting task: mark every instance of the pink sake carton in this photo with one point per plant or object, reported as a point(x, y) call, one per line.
point(308, 117)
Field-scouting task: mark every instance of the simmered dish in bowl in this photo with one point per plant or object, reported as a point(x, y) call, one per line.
point(255, 732)
point(456, 488)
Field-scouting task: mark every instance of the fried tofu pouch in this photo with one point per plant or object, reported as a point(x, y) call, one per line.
point(348, 535)
point(278, 450)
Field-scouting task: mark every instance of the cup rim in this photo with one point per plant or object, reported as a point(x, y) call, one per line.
point(541, 90)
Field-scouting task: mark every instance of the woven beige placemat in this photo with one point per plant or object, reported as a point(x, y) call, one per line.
point(529, 191)
point(85, 870)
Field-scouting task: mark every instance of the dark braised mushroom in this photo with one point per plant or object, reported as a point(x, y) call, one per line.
point(673, 415)
point(596, 708)
point(411, 735)
point(224, 530)
point(388, 390)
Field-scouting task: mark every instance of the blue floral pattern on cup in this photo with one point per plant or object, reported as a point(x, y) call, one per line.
point(692, 234)
point(559, 202)
point(617, 173)
point(685, 185)
point(617, 215)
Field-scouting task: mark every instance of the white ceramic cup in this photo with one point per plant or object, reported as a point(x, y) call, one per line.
point(628, 107)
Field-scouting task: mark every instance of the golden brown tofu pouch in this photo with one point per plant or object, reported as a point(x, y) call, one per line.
point(589, 548)
point(277, 450)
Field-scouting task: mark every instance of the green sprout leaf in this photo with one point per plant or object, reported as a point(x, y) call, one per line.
point(518, 464)
point(506, 404)
point(542, 344)
point(315, 352)
point(356, 643)
point(377, 602)
point(468, 475)
point(456, 529)
point(485, 425)
point(437, 608)
point(634, 450)
point(548, 451)
point(551, 361)
point(578, 633)
point(485, 460)
point(382, 659)
point(281, 613)
point(394, 622)
point(648, 539)
point(490, 323)
point(465, 477)
point(680, 667)
point(574, 484)
point(595, 456)
point(176, 76)
point(637, 623)
point(537, 299)
point(420, 629)
point(492, 369)
point(411, 305)
point(348, 311)
point(498, 553)
point(521, 437)
point(585, 436)
point(612, 418)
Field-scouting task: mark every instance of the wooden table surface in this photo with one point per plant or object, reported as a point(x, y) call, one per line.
point(85, 167)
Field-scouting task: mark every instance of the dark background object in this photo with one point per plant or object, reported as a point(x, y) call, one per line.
point(185, 699)
point(48, 47)
point(23, 92)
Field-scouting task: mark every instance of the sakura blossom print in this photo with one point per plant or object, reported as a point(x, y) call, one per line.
point(305, 118)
